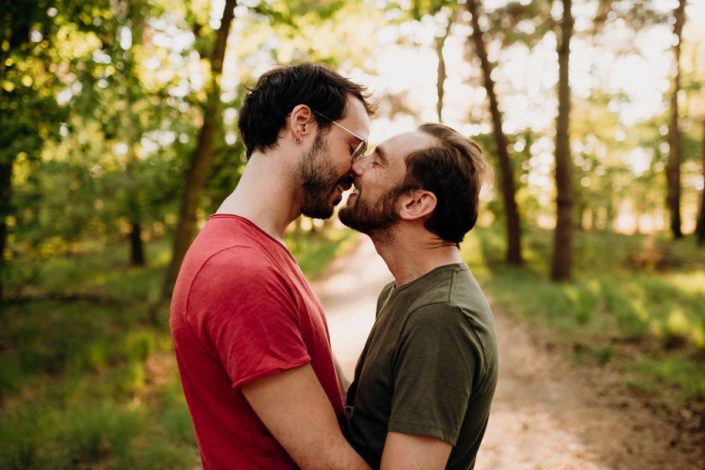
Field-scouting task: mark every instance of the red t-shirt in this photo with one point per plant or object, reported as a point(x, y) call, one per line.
point(241, 310)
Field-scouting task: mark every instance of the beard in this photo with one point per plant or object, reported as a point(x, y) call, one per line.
point(371, 219)
point(319, 179)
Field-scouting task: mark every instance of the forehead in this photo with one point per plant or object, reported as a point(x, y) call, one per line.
point(399, 146)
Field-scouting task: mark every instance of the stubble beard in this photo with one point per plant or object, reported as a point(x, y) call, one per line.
point(373, 220)
point(319, 179)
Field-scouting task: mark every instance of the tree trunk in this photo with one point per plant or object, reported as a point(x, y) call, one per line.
point(134, 211)
point(673, 169)
point(700, 229)
point(442, 75)
point(505, 166)
point(136, 245)
point(135, 201)
point(5, 192)
point(562, 247)
point(201, 157)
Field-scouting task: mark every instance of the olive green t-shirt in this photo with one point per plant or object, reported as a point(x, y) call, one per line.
point(429, 367)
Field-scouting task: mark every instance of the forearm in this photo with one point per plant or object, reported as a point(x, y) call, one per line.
point(338, 456)
point(296, 410)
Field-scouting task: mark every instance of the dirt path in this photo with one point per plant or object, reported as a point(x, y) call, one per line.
point(548, 413)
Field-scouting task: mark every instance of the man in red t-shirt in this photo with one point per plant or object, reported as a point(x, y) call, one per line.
point(250, 337)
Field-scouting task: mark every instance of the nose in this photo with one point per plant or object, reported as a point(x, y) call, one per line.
point(358, 166)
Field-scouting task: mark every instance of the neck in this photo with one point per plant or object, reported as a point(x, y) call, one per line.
point(265, 195)
point(411, 253)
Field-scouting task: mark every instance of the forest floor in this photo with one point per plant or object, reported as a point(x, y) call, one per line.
point(548, 411)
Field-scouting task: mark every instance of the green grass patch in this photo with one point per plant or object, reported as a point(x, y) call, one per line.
point(76, 386)
point(315, 251)
point(642, 291)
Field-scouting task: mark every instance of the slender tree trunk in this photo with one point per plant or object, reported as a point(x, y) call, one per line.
point(136, 245)
point(200, 159)
point(562, 247)
point(505, 166)
point(673, 169)
point(5, 192)
point(700, 229)
point(442, 75)
point(137, 257)
point(134, 211)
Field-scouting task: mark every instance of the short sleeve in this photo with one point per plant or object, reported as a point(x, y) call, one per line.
point(249, 314)
point(434, 365)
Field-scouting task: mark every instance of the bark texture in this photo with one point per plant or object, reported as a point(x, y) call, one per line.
point(563, 235)
point(700, 228)
point(673, 169)
point(202, 155)
point(505, 167)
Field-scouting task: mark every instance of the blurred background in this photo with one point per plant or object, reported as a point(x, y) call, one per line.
point(118, 136)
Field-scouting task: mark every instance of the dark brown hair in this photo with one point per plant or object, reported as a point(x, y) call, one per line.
point(278, 91)
point(454, 171)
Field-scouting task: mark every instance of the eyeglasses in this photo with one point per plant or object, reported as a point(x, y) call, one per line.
point(361, 147)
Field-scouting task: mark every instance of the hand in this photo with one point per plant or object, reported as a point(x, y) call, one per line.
point(295, 409)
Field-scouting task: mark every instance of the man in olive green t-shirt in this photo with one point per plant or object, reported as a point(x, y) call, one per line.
point(425, 380)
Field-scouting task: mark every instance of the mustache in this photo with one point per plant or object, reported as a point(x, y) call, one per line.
point(346, 180)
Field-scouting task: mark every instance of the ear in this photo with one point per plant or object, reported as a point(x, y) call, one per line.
point(416, 204)
point(299, 120)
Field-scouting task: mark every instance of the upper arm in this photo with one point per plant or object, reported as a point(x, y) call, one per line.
point(295, 409)
point(412, 452)
point(251, 320)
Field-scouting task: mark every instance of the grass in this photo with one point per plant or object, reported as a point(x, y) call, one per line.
point(91, 382)
point(314, 253)
point(88, 380)
point(638, 301)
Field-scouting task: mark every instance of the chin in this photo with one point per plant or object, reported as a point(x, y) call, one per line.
point(319, 212)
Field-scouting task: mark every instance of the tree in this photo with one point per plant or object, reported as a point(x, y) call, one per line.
point(700, 229)
point(507, 174)
point(123, 122)
point(673, 171)
point(562, 246)
point(442, 75)
point(29, 112)
point(202, 155)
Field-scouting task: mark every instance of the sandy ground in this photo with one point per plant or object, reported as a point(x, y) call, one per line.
point(548, 412)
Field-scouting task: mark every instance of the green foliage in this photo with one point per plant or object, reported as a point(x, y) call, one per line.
point(315, 251)
point(687, 371)
point(629, 292)
point(70, 371)
point(86, 379)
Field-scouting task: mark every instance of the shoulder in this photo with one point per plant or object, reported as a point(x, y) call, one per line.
point(235, 272)
point(452, 294)
point(437, 316)
point(238, 261)
point(451, 326)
